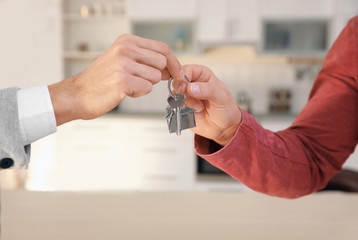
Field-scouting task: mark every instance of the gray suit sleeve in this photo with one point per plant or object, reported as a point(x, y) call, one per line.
point(13, 154)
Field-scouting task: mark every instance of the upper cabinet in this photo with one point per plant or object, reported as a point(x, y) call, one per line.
point(242, 22)
point(296, 9)
point(161, 9)
point(297, 37)
point(89, 28)
point(245, 22)
point(169, 21)
point(345, 9)
point(295, 28)
point(211, 20)
point(227, 21)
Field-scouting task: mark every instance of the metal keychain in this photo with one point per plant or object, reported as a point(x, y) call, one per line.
point(178, 118)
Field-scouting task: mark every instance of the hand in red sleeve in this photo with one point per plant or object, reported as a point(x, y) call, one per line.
point(129, 67)
point(217, 115)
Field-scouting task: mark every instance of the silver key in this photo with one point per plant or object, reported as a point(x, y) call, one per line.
point(176, 103)
point(178, 117)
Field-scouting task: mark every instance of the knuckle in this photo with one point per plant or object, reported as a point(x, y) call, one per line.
point(147, 88)
point(138, 92)
point(211, 89)
point(123, 50)
point(124, 37)
point(157, 76)
point(123, 66)
point(165, 48)
point(122, 77)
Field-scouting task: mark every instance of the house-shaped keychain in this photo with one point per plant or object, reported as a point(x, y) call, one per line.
point(187, 119)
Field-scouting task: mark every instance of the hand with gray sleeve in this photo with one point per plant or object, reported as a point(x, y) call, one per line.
point(129, 67)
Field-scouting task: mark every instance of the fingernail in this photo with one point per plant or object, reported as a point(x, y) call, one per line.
point(181, 89)
point(194, 89)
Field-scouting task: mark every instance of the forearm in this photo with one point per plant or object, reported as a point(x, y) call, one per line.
point(302, 158)
point(272, 163)
point(296, 161)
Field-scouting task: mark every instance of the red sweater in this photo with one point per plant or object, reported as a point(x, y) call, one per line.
point(301, 159)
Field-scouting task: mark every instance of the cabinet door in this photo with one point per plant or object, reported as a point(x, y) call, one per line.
point(296, 8)
point(211, 20)
point(119, 153)
point(166, 161)
point(242, 23)
point(95, 155)
point(30, 43)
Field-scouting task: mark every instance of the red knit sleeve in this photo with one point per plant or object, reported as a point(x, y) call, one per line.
point(301, 159)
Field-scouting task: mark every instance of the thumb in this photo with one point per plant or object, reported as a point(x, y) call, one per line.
point(207, 91)
point(206, 86)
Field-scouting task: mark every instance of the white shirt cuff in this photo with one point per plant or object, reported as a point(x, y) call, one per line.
point(36, 114)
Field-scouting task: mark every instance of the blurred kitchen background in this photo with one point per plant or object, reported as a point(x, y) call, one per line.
point(267, 52)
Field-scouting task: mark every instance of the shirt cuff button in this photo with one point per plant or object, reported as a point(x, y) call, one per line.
point(6, 163)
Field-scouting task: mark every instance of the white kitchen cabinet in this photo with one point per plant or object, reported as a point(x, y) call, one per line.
point(296, 9)
point(166, 162)
point(230, 21)
point(169, 21)
point(352, 161)
point(211, 20)
point(242, 23)
point(161, 9)
point(114, 153)
point(89, 28)
point(344, 11)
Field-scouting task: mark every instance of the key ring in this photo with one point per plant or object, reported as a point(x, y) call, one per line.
point(170, 84)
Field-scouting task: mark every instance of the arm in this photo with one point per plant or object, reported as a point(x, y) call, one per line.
point(129, 67)
point(300, 159)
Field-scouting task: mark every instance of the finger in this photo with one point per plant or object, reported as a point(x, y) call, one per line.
point(173, 65)
point(179, 86)
point(212, 91)
point(201, 90)
point(150, 58)
point(135, 86)
point(146, 72)
point(206, 86)
point(197, 73)
point(165, 75)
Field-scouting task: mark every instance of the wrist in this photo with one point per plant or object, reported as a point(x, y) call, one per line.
point(229, 132)
point(63, 99)
point(227, 135)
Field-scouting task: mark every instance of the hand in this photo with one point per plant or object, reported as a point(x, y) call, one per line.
point(217, 116)
point(129, 67)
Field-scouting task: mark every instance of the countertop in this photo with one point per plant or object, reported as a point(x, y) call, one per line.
point(177, 215)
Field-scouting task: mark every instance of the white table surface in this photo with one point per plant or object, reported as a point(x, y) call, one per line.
point(179, 215)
